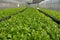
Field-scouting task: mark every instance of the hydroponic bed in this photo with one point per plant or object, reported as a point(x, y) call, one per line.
point(28, 25)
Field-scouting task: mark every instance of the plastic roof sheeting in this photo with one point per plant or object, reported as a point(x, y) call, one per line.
point(51, 4)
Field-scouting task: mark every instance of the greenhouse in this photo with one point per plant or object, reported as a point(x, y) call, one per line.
point(29, 19)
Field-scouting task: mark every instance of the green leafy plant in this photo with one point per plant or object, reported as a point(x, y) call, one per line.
point(29, 25)
point(10, 11)
point(52, 13)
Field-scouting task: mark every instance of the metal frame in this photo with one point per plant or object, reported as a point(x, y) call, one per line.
point(35, 1)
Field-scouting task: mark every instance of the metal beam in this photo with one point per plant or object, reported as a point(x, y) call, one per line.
point(35, 1)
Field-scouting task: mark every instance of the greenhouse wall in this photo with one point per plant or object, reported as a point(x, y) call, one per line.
point(51, 4)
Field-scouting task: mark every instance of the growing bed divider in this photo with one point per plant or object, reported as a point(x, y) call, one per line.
point(55, 14)
point(51, 13)
point(5, 18)
point(54, 19)
point(9, 11)
point(8, 17)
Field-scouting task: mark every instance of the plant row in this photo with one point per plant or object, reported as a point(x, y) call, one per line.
point(52, 13)
point(7, 12)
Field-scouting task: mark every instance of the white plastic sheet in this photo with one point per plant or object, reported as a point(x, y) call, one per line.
point(12, 3)
point(51, 4)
